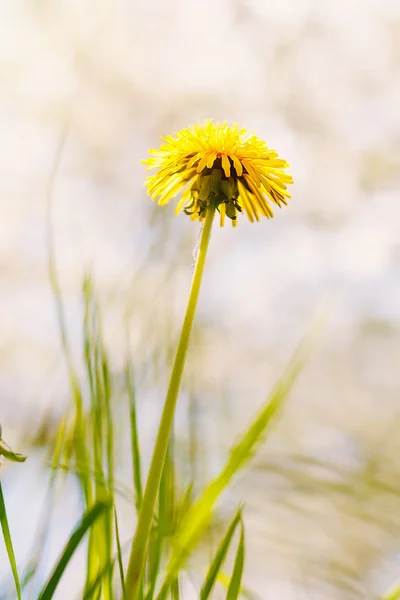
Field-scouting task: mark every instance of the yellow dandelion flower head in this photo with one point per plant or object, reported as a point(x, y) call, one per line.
point(220, 164)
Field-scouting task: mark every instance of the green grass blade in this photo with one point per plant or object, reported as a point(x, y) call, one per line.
point(162, 595)
point(52, 266)
point(10, 455)
point(234, 586)
point(104, 388)
point(98, 597)
point(394, 594)
point(186, 502)
point(165, 522)
point(8, 543)
point(245, 591)
point(119, 556)
point(199, 515)
point(135, 449)
point(154, 560)
point(88, 520)
point(166, 495)
point(45, 521)
point(95, 586)
point(165, 527)
point(219, 558)
point(80, 448)
point(175, 593)
point(99, 430)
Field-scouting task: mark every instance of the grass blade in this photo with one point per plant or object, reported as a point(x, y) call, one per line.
point(99, 433)
point(95, 586)
point(12, 456)
point(136, 462)
point(200, 513)
point(234, 586)
point(135, 449)
point(164, 526)
point(394, 594)
point(45, 519)
point(162, 594)
point(119, 556)
point(153, 560)
point(175, 593)
point(8, 543)
point(88, 520)
point(219, 558)
point(245, 591)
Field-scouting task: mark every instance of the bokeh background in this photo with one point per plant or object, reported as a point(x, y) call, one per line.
point(85, 89)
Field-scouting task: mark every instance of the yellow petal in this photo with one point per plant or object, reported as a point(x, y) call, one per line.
point(247, 197)
point(238, 165)
point(211, 159)
point(185, 197)
point(226, 165)
point(202, 164)
point(252, 172)
point(194, 159)
point(244, 204)
point(260, 199)
point(221, 214)
point(183, 158)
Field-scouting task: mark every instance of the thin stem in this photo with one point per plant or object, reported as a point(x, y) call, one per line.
point(141, 539)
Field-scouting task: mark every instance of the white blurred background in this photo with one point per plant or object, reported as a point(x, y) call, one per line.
point(98, 83)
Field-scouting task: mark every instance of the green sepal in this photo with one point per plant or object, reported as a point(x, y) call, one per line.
point(228, 187)
point(230, 211)
point(196, 185)
point(205, 187)
point(216, 176)
point(190, 208)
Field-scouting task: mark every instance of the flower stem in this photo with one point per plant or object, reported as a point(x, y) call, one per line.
point(143, 528)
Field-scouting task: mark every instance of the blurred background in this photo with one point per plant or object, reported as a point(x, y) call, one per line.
point(85, 89)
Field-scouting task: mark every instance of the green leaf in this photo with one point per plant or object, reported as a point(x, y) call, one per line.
point(175, 593)
point(10, 455)
point(135, 447)
point(162, 594)
point(88, 520)
point(8, 543)
point(200, 513)
point(245, 591)
point(234, 586)
point(219, 558)
point(95, 586)
point(119, 556)
point(394, 594)
point(165, 523)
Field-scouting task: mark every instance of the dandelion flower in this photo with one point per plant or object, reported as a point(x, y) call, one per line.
point(215, 163)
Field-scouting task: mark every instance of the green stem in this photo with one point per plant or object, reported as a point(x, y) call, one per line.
point(141, 539)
